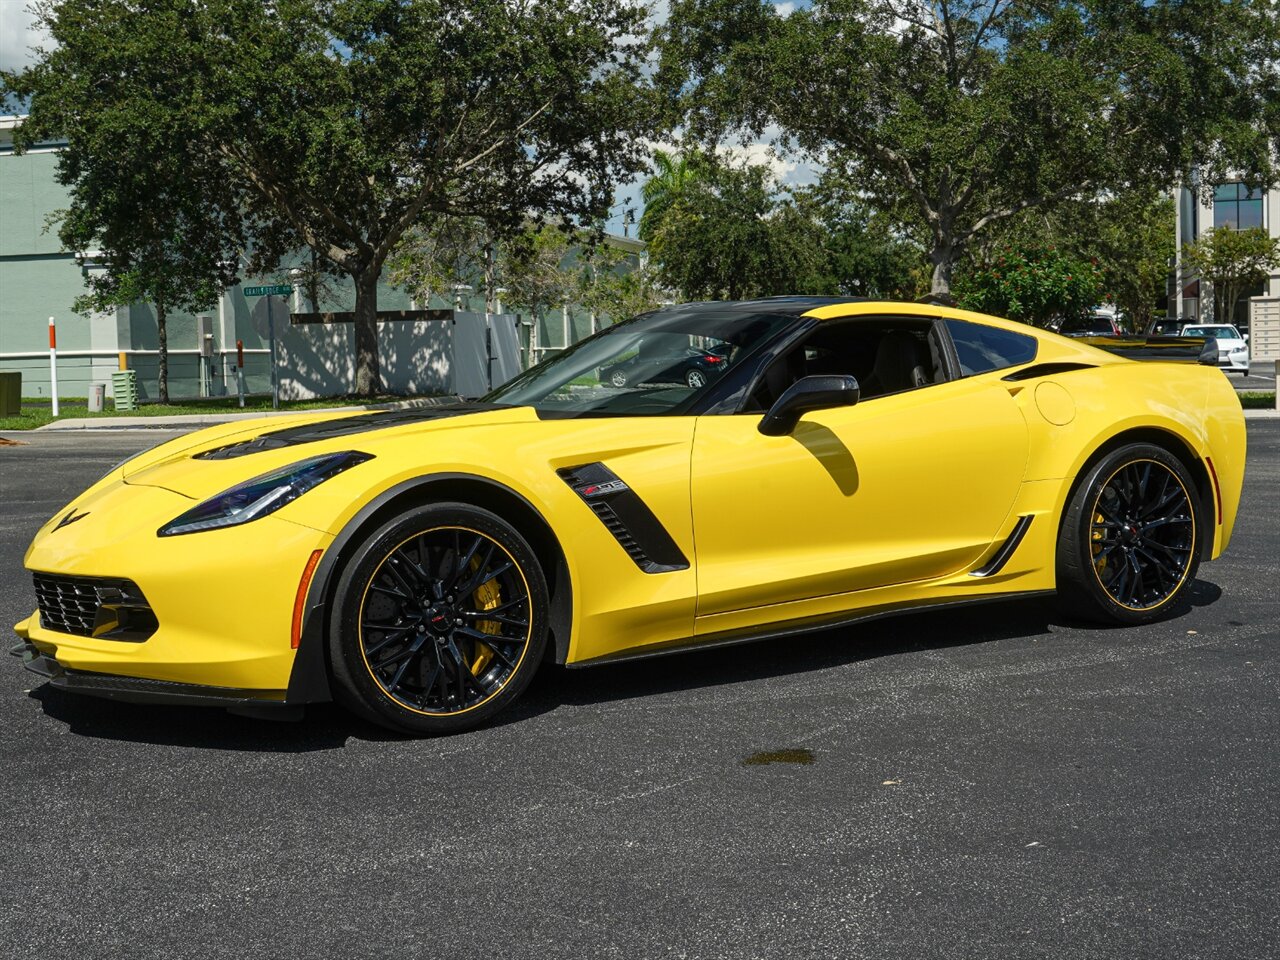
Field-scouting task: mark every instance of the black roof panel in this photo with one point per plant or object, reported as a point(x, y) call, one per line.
point(794, 306)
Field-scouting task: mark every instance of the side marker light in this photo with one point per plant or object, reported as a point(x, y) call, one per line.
point(300, 601)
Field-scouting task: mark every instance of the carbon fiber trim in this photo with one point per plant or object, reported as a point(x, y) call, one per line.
point(627, 517)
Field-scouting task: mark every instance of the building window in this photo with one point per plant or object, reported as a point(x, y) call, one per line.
point(1237, 207)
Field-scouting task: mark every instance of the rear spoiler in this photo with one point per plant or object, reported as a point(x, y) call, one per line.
point(1168, 349)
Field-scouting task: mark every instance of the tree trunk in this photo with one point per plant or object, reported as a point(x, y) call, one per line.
point(162, 334)
point(942, 256)
point(490, 277)
point(368, 376)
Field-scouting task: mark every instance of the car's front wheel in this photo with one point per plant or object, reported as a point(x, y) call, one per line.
point(440, 620)
point(1131, 537)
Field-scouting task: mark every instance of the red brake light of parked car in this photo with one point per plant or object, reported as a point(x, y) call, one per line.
point(712, 358)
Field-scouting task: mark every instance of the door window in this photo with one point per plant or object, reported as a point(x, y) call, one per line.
point(886, 355)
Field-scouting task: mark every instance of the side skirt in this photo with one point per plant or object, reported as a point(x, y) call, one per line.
point(794, 628)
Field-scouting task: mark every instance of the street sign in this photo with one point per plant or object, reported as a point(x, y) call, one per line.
point(279, 290)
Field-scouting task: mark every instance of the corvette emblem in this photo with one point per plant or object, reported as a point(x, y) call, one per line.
point(601, 489)
point(70, 518)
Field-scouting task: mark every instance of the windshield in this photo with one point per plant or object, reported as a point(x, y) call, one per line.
point(1222, 333)
point(1087, 325)
point(653, 364)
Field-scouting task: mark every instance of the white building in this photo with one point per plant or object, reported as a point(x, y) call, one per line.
point(1233, 205)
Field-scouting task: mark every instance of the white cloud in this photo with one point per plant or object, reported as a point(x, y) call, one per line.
point(18, 34)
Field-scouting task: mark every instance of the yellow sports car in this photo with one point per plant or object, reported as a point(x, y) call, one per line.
point(851, 459)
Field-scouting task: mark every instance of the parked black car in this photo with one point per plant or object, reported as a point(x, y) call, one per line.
point(662, 364)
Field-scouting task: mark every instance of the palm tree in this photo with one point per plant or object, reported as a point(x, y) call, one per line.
point(673, 174)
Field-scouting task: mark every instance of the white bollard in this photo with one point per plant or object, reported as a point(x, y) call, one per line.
point(53, 364)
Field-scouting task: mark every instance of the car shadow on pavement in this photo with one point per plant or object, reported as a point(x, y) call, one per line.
point(329, 727)
point(936, 629)
point(324, 727)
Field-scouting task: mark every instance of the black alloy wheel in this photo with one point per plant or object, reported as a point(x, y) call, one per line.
point(1130, 541)
point(442, 620)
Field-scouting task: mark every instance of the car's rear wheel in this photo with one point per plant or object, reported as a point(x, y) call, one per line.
point(696, 379)
point(440, 620)
point(618, 378)
point(1131, 537)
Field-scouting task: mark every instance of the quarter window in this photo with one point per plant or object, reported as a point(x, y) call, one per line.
point(981, 348)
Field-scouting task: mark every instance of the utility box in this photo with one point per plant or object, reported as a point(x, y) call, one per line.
point(97, 397)
point(10, 393)
point(124, 389)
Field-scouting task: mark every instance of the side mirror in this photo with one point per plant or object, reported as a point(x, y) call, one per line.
point(1209, 352)
point(808, 393)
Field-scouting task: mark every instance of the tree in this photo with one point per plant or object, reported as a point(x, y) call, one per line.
point(1132, 237)
point(615, 283)
point(535, 271)
point(339, 125)
point(1128, 237)
point(1232, 261)
point(673, 173)
point(435, 256)
point(866, 255)
point(960, 115)
point(140, 198)
point(1033, 285)
point(732, 235)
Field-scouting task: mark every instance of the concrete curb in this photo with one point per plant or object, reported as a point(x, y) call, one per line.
point(1261, 414)
point(208, 419)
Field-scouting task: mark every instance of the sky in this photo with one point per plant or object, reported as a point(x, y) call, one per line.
point(18, 36)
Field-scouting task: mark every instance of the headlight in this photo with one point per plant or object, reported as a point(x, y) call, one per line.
point(262, 495)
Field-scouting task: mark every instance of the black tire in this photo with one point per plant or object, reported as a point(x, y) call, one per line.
point(1139, 506)
point(440, 620)
point(696, 379)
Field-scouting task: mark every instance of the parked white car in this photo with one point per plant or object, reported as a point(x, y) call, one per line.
point(1233, 349)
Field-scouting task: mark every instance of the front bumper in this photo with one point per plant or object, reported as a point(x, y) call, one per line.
point(1237, 364)
point(142, 690)
point(222, 599)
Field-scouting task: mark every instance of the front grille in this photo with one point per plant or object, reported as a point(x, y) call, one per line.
point(101, 607)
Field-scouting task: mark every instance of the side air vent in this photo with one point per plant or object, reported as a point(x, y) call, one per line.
point(627, 517)
point(1005, 550)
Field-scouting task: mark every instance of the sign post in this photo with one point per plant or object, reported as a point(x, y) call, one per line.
point(53, 364)
point(276, 290)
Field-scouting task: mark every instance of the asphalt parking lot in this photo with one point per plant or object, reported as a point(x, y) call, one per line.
point(987, 783)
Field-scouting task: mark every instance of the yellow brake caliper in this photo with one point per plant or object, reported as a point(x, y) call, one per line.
point(1096, 546)
point(486, 597)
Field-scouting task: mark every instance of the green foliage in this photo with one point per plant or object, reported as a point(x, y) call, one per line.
point(1132, 238)
point(1129, 237)
point(672, 174)
point(960, 116)
point(141, 196)
point(615, 284)
point(438, 254)
point(536, 271)
point(1232, 261)
point(866, 256)
point(339, 125)
point(731, 235)
point(1033, 285)
point(726, 230)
